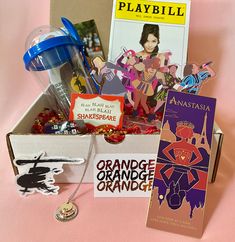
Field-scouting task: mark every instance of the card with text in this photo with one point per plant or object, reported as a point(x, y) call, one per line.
point(97, 110)
point(177, 202)
point(123, 175)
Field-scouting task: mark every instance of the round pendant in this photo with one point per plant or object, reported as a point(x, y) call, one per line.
point(66, 212)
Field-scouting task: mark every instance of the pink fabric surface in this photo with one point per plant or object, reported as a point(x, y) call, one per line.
point(212, 37)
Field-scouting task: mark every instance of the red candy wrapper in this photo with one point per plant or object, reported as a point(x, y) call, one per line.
point(51, 122)
point(46, 116)
point(140, 125)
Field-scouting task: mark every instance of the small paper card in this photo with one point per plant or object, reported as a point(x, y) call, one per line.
point(178, 196)
point(97, 110)
point(123, 175)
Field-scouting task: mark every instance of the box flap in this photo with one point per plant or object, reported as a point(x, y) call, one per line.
point(217, 158)
point(79, 10)
point(11, 153)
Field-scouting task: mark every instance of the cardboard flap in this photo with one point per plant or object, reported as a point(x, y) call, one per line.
point(78, 11)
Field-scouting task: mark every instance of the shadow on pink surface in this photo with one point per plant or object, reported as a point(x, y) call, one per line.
point(211, 47)
point(225, 173)
point(208, 40)
point(70, 189)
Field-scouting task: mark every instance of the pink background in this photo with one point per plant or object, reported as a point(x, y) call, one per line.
point(212, 37)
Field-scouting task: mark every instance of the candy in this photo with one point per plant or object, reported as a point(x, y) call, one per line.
point(46, 116)
point(51, 122)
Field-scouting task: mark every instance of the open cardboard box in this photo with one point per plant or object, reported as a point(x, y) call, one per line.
point(21, 142)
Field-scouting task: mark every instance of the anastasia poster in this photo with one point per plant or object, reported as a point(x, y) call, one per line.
point(177, 202)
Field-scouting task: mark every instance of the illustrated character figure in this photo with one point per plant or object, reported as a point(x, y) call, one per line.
point(150, 40)
point(183, 151)
point(127, 61)
point(143, 88)
point(144, 85)
point(108, 80)
point(170, 80)
point(184, 158)
point(194, 77)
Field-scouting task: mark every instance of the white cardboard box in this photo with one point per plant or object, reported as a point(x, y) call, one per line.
point(21, 142)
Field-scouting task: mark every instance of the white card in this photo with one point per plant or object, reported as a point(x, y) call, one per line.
point(123, 175)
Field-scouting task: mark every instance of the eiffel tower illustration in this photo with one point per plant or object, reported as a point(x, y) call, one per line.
point(202, 141)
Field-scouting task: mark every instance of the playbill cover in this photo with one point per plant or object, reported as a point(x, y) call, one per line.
point(178, 197)
point(135, 22)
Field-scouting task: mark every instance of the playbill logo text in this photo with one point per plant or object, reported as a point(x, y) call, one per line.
point(165, 12)
point(186, 104)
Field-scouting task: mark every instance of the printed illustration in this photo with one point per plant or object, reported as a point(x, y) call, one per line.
point(127, 61)
point(183, 164)
point(194, 77)
point(36, 174)
point(152, 47)
point(180, 180)
point(170, 80)
point(107, 78)
point(146, 70)
point(90, 37)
